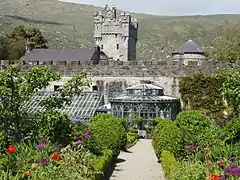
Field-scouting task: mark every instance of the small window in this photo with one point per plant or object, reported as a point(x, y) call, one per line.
point(56, 87)
point(117, 46)
point(115, 35)
point(101, 46)
point(95, 88)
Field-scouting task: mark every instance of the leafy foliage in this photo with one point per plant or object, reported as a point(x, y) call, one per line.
point(109, 133)
point(56, 126)
point(190, 170)
point(16, 87)
point(169, 163)
point(166, 136)
point(13, 47)
point(194, 125)
point(230, 89)
point(202, 92)
point(232, 130)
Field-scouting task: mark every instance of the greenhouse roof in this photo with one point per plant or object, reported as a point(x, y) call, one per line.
point(143, 92)
point(144, 86)
point(142, 98)
point(82, 107)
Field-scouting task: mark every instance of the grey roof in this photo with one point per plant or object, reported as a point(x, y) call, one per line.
point(82, 107)
point(190, 47)
point(67, 54)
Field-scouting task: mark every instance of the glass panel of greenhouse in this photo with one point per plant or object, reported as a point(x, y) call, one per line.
point(81, 108)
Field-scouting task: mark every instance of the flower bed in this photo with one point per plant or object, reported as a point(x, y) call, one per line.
point(204, 152)
point(45, 160)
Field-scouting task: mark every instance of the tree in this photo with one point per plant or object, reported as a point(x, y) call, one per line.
point(226, 45)
point(21, 36)
point(3, 47)
point(16, 87)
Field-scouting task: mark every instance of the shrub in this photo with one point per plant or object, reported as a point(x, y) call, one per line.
point(131, 139)
point(194, 125)
point(102, 163)
point(190, 170)
point(108, 133)
point(169, 163)
point(232, 130)
point(166, 136)
point(132, 129)
point(56, 126)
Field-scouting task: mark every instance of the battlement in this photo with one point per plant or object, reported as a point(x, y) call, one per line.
point(156, 68)
point(109, 18)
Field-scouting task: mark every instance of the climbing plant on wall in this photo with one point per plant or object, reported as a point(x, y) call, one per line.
point(202, 92)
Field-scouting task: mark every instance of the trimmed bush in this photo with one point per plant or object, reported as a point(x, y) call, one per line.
point(169, 163)
point(194, 125)
point(166, 136)
point(102, 163)
point(108, 134)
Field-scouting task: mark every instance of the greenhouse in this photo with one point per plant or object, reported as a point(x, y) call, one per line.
point(146, 101)
point(81, 108)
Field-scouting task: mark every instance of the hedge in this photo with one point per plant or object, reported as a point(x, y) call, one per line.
point(166, 136)
point(108, 134)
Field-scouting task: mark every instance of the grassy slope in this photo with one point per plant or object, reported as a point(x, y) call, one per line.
point(67, 24)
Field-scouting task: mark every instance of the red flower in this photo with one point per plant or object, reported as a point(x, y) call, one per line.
point(27, 174)
point(56, 157)
point(213, 177)
point(219, 163)
point(11, 149)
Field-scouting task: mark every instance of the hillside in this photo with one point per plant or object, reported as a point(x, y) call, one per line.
point(67, 24)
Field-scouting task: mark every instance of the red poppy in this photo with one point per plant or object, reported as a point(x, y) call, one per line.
point(27, 174)
point(213, 177)
point(56, 157)
point(219, 163)
point(11, 149)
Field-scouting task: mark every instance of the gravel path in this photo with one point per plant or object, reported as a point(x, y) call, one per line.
point(140, 163)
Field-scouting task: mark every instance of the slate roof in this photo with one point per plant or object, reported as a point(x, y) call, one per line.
point(190, 47)
point(68, 54)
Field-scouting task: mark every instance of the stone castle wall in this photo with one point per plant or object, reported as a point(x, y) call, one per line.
point(112, 77)
point(161, 68)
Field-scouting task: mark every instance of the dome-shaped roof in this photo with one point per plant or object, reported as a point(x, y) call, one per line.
point(190, 47)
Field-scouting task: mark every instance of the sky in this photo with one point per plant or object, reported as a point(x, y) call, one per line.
point(170, 7)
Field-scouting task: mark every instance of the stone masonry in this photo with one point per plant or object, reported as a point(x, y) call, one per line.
point(117, 37)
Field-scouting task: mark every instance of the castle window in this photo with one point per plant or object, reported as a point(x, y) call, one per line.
point(115, 35)
point(95, 88)
point(56, 87)
point(101, 46)
point(117, 46)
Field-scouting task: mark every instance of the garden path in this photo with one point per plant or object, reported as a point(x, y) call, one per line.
point(139, 163)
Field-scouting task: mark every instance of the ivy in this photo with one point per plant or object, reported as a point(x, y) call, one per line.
point(202, 92)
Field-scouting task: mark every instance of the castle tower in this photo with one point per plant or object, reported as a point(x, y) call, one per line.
point(117, 37)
